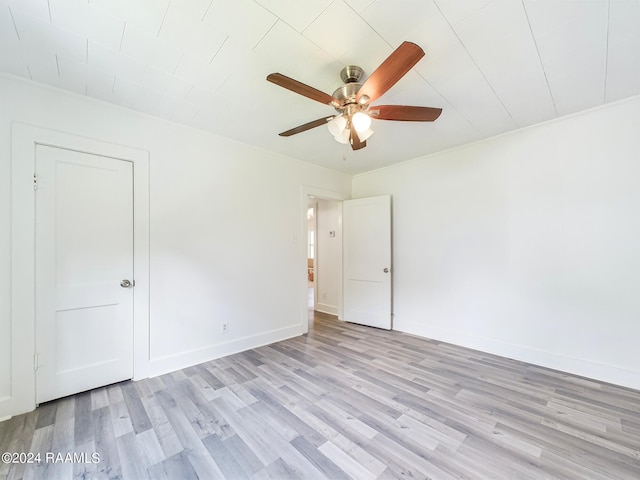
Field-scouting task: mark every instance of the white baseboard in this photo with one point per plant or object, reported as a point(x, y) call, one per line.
point(324, 308)
point(576, 366)
point(171, 363)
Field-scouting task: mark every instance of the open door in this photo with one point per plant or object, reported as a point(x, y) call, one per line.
point(367, 261)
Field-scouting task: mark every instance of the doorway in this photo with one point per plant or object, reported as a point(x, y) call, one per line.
point(380, 224)
point(24, 140)
point(324, 293)
point(324, 256)
point(311, 256)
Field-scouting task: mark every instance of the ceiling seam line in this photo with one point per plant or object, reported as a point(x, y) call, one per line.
point(368, 24)
point(124, 28)
point(301, 33)
point(189, 92)
point(15, 28)
point(544, 71)
point(476, 64)
point(163, 19)
point(486, 5)
point(316, 18)
point(178, 64)
point(450, 104)
point(253, 49)
point(606, 55)
point(206, 11)
point(224, 42)
point(49, 8)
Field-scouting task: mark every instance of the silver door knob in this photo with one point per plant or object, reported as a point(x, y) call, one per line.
point(125, 283)
point(386, 270)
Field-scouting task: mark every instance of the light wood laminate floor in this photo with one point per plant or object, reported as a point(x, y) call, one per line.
point(345, 401)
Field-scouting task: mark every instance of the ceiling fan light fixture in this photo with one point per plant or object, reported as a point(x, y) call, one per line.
point(352, 101)
point(365, 135)
point(337, 125)
point(361, 121)
point(343, 137)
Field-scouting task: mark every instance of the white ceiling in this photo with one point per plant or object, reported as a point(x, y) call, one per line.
point(493, 66)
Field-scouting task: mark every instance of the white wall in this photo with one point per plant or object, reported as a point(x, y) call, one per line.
point(208, 235)
point(526, 245)
point(328, 257)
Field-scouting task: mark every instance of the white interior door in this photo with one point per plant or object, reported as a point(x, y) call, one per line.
point(367, 261)
point(84, 250)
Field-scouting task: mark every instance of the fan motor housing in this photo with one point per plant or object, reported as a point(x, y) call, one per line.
point(351, 76)
point(347, 92)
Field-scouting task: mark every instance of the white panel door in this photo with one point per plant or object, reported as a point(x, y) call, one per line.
point(367, 261)
point(84, 250)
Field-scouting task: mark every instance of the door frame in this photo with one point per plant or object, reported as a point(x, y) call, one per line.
point(305, 193)
point(24, 139)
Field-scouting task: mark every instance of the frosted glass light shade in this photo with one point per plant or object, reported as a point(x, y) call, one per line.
point(337, 125)
point(343, 137)
point(361, 121)
point(364, 135)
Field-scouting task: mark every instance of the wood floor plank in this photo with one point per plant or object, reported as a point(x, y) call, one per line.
point(83, 426)
point(120, 418)
point(165, 434)
point(130, 457)
point(47, 415)
point(343, 401)
point(197, 453)
point(149, 448)
point(368, 460)
point(202, 417)
point(225, 460)
point(99, 398)
point(41, 444)
point(255, 436)
point(283, 414)
point(105, 443)
point(348, 465)
point(251, 464)
point(318, 459)
point(175, 467)
point(139, 418)
point(63, 439)
point(86, 469)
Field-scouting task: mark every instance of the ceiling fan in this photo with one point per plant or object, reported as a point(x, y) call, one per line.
point(353, 100)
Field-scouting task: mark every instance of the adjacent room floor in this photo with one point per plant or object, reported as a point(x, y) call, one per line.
point(345, 401)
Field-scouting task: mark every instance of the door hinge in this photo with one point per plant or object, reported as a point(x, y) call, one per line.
point(35, 182)
point(36, 358)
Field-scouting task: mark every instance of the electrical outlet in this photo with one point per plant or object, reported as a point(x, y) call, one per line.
point(324, 295)
point(224, 327)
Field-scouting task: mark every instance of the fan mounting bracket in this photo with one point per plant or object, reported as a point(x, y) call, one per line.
point(351, 74)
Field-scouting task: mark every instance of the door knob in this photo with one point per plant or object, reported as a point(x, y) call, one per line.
point(386, 270)
point(125, 283)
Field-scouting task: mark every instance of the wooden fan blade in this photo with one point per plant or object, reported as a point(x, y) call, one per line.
point(405, 113)
point(390, 71)
point(302, 89)
point(306, 126)
point(354, 140)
